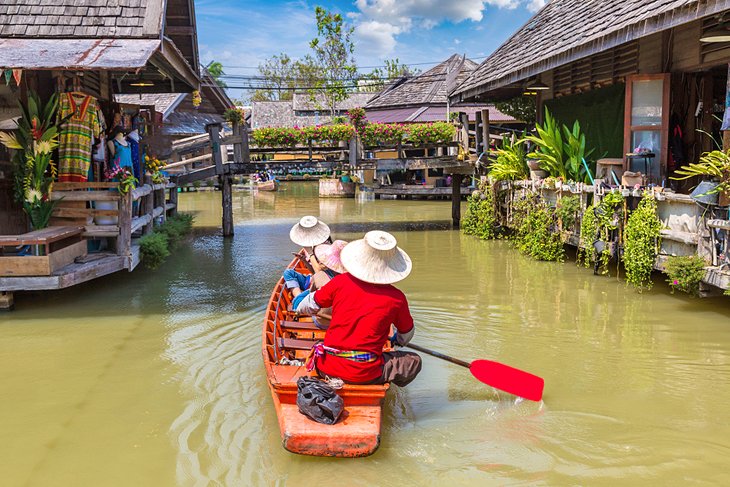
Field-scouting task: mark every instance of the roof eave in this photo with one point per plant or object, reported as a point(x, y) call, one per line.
point(636, 31)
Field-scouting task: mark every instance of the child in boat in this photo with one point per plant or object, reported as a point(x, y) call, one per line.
point(309, 233)
point(364, 306)
point(326, 265)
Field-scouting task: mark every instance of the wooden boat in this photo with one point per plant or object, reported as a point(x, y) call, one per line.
point(288, 336)
point(270, 185)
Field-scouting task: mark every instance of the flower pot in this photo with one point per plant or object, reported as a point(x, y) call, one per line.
point(702, 193)
point(538, 175)
point(533, 164)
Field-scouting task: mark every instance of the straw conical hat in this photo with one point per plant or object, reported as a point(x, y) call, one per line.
point(329, 255)
point(376, 259)
point(309, 232)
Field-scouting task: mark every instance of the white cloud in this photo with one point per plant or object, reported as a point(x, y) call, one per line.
point(536, 5)
point(377, 38)
point(379, 22)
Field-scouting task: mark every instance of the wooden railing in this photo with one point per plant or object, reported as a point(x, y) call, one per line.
point(78, 204)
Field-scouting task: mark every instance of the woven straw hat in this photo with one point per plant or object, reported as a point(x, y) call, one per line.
point(376, 259)
point(309, 232)
point(329, 255)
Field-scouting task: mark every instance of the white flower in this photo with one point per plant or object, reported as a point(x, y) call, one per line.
point(33, 195)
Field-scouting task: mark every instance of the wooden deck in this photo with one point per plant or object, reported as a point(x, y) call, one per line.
point(91, 267)
point(79, 207)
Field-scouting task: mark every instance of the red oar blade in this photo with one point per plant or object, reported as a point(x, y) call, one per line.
point(508, 379)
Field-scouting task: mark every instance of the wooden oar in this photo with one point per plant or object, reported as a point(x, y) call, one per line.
point(497, 375)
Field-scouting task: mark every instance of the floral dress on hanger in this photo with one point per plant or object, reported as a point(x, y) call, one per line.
point(76, 135)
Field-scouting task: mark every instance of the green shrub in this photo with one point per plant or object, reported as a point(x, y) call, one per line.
point(383, 133)
point(430, 133)
point(597, 224)
point(481, 216)
point(567, 211)
point(685, 273)
point(535, 224)
point(641, 242)
point(156, 246)
point(154, 249)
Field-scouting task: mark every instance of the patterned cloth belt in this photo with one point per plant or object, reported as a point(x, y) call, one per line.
point(356, 356)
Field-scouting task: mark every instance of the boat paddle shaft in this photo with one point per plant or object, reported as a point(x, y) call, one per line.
point(439, 355)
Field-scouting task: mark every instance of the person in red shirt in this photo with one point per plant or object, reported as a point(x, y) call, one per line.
point(364, 305)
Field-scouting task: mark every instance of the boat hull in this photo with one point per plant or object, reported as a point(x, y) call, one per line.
point(357, 433)
point(270, 185)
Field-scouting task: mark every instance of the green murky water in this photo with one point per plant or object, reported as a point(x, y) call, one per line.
point(155, 378)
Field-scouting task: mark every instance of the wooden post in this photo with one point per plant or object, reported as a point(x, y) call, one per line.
point(173, 200)
point(485, 130)
point(159, 200)
point(456, 199)
point(7, 301)
point(148, 205)
point(124, 240)
point(244, 144)
point(237, 146)
point(353, 152)
point(227, 198)
point(464, 119)
point(478, 133)
point(215, 146)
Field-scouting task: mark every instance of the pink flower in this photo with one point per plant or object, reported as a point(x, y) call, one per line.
point(675, 283)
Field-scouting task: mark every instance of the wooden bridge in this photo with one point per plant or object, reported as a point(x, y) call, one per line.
point(242, 159)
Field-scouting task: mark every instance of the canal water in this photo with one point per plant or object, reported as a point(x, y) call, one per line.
point(156, 378)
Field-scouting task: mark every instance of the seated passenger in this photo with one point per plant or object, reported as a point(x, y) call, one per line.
point(364, 306)
point(326, 265)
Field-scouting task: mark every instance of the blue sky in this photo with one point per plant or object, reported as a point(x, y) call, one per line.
point(241, 33)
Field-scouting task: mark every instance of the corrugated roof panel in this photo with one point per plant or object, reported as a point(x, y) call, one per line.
point(76, 53)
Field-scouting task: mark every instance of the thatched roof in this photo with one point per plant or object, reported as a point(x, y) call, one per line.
point(427, 88)
point(567, 30)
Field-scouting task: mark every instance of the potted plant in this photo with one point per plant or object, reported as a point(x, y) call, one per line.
point(715, 165)
point(35, 140)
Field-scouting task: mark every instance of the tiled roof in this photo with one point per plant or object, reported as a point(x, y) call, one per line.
point(301, 111)
point(567, 30)
point(81, 18)
point(304, 102)
point(425, 89)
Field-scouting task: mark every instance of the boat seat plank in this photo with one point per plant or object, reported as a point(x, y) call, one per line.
point(299, 325)
point(294, 344)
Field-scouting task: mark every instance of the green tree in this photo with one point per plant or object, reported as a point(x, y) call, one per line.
point(333, 50)
point(522, 108)
point(279, 73)
point(379, 77)
point(215, 69)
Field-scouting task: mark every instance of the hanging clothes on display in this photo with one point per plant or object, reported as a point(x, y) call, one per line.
point(76, 135)
point(122, 155)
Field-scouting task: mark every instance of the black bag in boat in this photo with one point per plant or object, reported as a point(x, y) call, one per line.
point(318, 400)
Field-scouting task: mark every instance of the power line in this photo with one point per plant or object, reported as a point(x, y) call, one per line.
point(372, 67)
